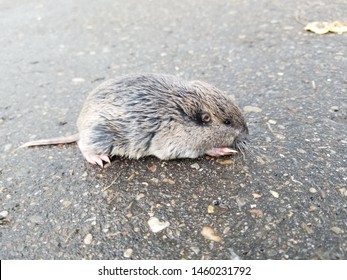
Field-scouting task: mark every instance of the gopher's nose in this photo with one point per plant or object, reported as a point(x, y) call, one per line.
point(240, 142)
point(243, 135)
point(244, 132)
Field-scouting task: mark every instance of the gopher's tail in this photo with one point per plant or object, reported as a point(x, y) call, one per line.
point(52, 141)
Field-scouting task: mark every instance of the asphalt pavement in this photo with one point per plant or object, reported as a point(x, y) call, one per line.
point(286, 199)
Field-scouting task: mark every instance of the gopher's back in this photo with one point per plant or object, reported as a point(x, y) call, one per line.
point(129, 111)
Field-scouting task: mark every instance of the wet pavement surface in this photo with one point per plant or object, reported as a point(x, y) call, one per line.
point(286, 199)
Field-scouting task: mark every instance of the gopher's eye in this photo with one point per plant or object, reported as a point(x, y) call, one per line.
point(205, 117)
point(227, 122)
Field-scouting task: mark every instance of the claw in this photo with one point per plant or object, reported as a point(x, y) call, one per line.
point(105, 158)
point(222, 151)
point(97, 159)
point(229, 151)
point(99, 162)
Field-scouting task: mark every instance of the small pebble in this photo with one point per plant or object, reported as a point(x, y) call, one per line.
point(272, 122)
point(251, 109)
point(271, 253)
point(152, 168)
point(275, 194)
point(343, 191)
point(233, 255)
point(139, 196)
point(127, 253)
point(78, 80)
point(155, 225)
point(195, 249)
point(155, 180)
point(35, 219)
point(312, 190)
point(66, 203)
point(334, 108)
point(88, 239)
point(195, 166)
point(240, 201)
point(280, 136)
point(256, 195)
point(7, 147)
point(3, 214)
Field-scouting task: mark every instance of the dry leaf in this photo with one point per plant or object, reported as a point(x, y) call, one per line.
point(209, 233)
point(260, 160)
point(323, 27)
point(337, 230)
point(338, 27)
point(251, 109)
point(169, 181)
point(307, 228)
point(224, 161)
point(257, 212)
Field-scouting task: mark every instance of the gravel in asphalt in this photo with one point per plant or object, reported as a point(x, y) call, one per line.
point(286, 199)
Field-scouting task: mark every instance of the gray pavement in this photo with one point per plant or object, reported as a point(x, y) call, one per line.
point(287, 199)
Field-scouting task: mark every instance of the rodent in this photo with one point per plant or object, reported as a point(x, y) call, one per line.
point(154, 114)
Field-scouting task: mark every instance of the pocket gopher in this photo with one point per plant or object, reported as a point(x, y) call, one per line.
point(160, 115)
